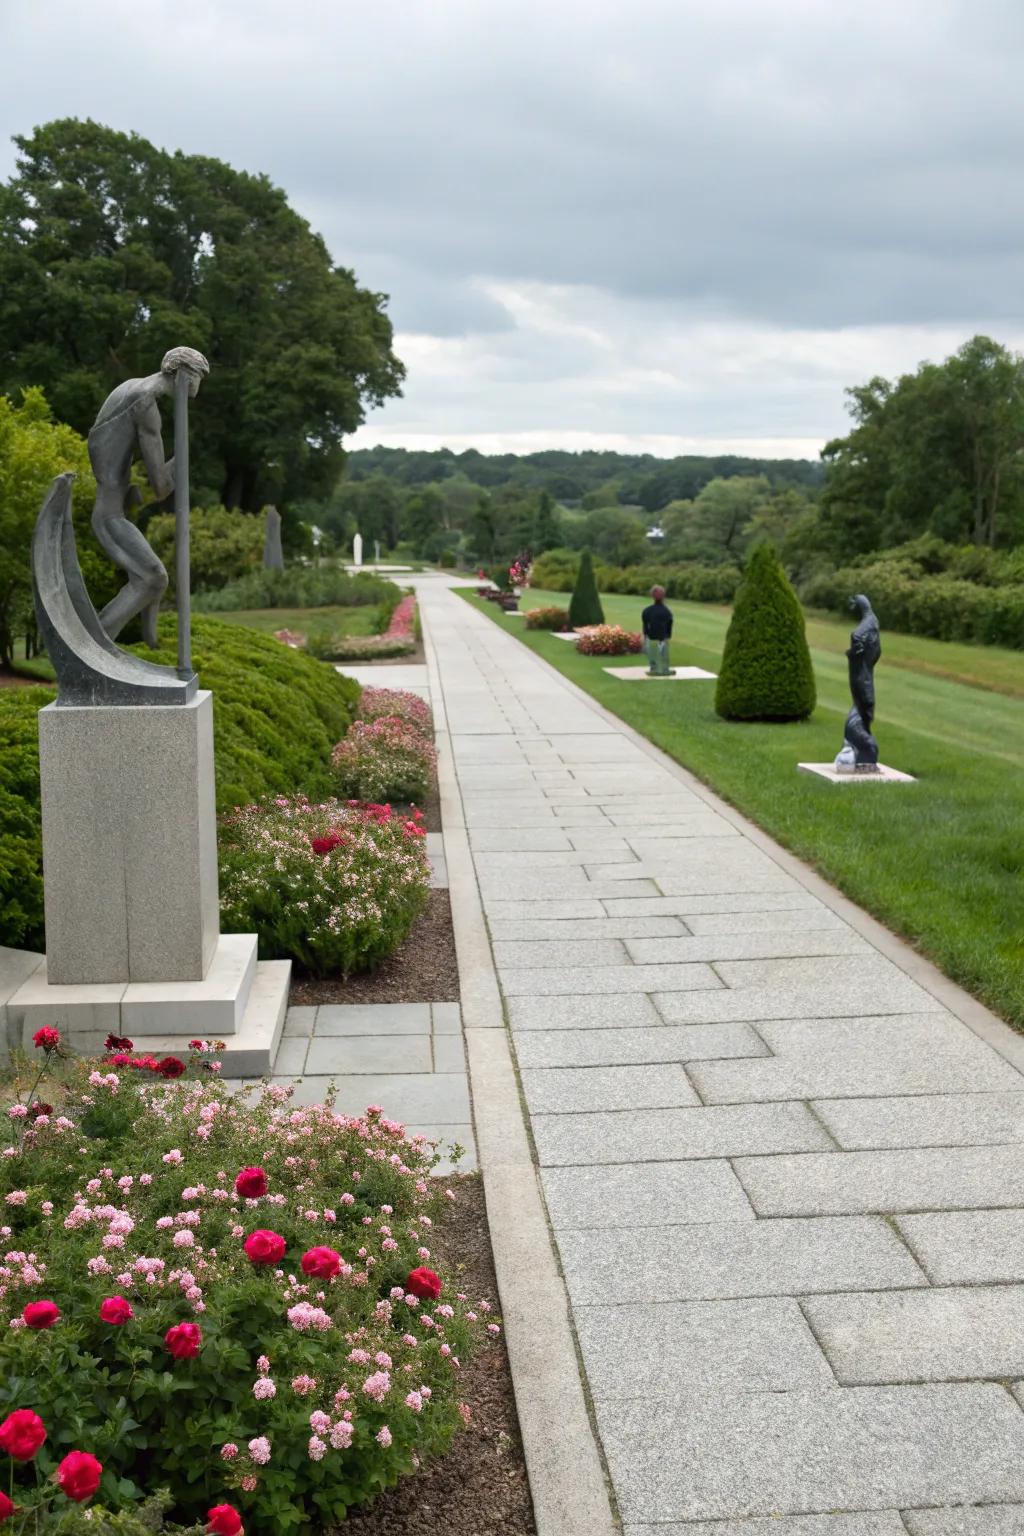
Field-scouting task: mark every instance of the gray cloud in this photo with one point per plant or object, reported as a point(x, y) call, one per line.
point(570, 204)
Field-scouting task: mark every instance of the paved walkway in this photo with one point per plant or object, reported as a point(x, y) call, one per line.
point(786, 1184)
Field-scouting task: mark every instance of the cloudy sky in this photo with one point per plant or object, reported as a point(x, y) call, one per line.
point(670, 225)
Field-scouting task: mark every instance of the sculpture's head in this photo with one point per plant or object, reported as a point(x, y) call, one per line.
point(860, 605)
point(192, 362)
point(658, 593)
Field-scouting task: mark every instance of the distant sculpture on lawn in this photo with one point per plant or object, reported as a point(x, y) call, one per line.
point(273, 553)
point(91, 669)
point(357, 550)
point(860, 752)
point(129, 419)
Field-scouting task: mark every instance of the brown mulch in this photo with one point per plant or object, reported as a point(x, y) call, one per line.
point(480, 1488)
point(422, 970)
point(15, 680)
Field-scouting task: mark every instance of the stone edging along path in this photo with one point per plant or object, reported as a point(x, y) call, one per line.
point(781, 1150)
point(567, 1479)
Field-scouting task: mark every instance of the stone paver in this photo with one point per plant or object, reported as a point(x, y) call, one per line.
point(947, 1178)
point(651, 1195)
point(666, 1350)
point(739, 1258)
point(785, 1183)
point(967, 1247)
point(938, 1335)
point(800, 1452)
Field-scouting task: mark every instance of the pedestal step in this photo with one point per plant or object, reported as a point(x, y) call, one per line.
point(252, 1048)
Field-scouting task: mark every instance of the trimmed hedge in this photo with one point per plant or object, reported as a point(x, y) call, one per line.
point(556, 572)
point(943, 607)
point(585, 604)
point(277, 714)
point(301, 586)
point(766, 671)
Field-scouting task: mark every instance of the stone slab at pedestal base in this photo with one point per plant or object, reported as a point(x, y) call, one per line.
point(129, 841)
point(884, 775)
point(564, 634)
point(258, 999)
point(641, 675)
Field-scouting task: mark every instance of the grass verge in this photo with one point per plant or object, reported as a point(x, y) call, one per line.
point(940, 862)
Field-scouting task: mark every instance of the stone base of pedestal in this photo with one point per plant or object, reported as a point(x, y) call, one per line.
point(241, 1002)
point(129, 841)
point(833, 775)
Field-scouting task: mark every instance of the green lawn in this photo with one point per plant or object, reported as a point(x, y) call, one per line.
point(338, 621)
point(941, 861)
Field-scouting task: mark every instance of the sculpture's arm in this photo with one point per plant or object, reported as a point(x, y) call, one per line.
point(151, 447)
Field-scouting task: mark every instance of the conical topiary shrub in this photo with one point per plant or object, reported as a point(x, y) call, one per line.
point(585, 606)
point(766, 669)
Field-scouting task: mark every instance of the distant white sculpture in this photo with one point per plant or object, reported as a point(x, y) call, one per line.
point(376, 550)
point(357, 549)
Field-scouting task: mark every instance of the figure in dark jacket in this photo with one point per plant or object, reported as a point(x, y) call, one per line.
point(657, 623)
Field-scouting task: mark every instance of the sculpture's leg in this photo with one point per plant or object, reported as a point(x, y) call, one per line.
point(147, 579)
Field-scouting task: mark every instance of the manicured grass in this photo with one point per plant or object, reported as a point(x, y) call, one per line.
point(941, 862)
point(338, 621)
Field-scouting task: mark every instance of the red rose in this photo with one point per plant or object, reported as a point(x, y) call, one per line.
point(251, 1183)
point(323, 1263)
point(118, 1043)
point(170, 1066)
point(47, 1038)
point(41, 1314)
point(424, 1284)
point(79, 1475)
point(196, 1045)
point(21, 1434)
point(184, 1340)
point(265, 1247)
point(6, 1507)
point(324, 845)
point(116, 1310)
point(38, 1108)
point(224, 1520)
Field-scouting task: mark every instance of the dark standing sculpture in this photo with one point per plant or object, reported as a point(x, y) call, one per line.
point(860, 753)
point(90, 667)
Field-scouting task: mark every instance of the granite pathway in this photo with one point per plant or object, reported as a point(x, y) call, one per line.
point(785, 1182)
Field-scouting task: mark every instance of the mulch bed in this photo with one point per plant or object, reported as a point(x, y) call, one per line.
point(422, 970)
point(13, 680)
point(480, 1488)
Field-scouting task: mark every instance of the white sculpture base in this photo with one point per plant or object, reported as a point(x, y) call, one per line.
point(678, 675)
point(129, 842)
point(835, 775)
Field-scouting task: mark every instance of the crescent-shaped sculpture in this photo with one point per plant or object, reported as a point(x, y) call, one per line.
point(90, 668)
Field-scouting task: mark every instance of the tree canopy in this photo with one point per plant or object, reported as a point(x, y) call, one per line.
point(112, 251)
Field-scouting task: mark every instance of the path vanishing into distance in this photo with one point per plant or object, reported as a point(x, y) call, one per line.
point(782, 1160)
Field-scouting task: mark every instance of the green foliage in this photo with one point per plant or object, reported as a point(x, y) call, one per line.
point(335, 887)
point(21, 850)
point(33, 450)
point(146, 1519)
point(547, 618)
point(223, 545)
point(298, 586)
point(908, 599)
point(153, 1420)
point(557, 570)
point(112, 250)
point(384, 759)
point(546, 532)
point(766, 671)
point(937, 451)
point(585, 605)
point(276, 716)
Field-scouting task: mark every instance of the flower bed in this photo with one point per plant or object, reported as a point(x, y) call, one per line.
point(386, 758)
point(547, 618)
point(397, 704)
point(334, 887)
point(608, 640)
point(399, 639)
point(232, 1300)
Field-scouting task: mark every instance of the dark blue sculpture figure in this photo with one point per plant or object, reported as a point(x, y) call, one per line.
point(860, 752)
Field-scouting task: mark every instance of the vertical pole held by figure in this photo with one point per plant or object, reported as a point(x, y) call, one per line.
point(181, 523)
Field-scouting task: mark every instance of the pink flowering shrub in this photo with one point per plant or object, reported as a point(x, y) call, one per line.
point(396, 704)
point(547, 618)
point(175, 1353)
point(399, 639)
point(608, 640)
point(384, 759)
point(334, 886)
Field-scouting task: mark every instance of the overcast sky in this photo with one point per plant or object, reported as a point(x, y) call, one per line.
point(671, 225)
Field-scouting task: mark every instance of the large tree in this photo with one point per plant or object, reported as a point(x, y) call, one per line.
point(938, 451)
point(112, 250)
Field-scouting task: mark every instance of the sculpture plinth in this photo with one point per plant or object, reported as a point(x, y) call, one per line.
point(129, 842)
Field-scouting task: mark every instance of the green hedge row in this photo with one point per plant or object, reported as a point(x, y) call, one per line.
point(300, 586)
point(556, 572)
point(942, 607)
point(277, 714)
